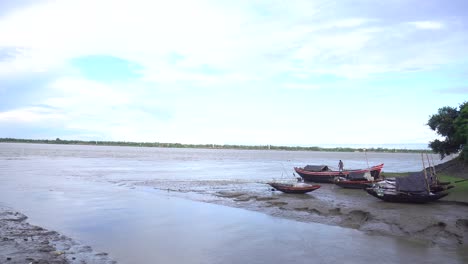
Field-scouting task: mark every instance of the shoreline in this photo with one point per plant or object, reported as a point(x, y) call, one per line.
point(22, 242)
point(442, 223)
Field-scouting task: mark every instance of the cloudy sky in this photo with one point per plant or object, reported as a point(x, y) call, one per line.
point(300, 72)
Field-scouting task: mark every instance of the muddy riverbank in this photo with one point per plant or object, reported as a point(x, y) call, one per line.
point(442, 223)
point(21, 242)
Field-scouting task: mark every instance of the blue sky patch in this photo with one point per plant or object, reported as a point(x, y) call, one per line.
point(175, 57)
point(106, 68)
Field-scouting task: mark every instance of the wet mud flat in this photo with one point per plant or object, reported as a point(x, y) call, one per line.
point(21, 242)
point(443, 223)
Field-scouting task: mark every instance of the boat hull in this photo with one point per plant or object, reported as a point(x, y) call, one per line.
point(289, 188)
point(329, 176)
point(354, 184)
point(316, 178)
point(406, 198)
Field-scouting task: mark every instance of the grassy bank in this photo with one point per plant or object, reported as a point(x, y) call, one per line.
point(460, 192)
point(457, 194)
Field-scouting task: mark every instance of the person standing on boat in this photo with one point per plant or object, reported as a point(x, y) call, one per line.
point(340, 165)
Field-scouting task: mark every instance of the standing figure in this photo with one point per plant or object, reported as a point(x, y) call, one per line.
point(340, 165)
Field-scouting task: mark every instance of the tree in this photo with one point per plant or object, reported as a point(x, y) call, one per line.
point(461, 130)
point(451, 123)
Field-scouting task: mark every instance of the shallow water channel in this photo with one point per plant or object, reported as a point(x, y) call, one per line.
point(87, 193)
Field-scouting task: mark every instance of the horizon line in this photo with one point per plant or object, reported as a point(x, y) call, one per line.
point(370, 146)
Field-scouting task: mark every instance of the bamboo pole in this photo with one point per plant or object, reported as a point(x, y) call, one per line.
point(365, 153)
point(431, 170)
point(425, 174)
point(437, 177)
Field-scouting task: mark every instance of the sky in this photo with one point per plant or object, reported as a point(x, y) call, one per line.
point(249, 72)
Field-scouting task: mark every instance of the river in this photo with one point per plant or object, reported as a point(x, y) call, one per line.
point(108, 198)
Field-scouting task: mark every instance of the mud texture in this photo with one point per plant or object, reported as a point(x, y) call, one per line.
point(22, 243)
point(440, 223)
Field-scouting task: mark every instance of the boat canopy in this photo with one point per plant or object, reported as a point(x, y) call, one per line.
point(316, 168)
point(360, 176)
point(415, 182)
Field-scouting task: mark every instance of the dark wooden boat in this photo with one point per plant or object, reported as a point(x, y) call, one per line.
point(404, 197)
point(356, 180)
point(323, 174)
point(435, 187)
point(352, 184)
point(414, 188)
point(298, 188)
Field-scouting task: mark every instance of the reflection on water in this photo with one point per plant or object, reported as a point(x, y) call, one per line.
point(69, 189)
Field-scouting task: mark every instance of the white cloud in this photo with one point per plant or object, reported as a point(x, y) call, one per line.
point(144, 31)
point(79, 92)
point(198, 56)
point(230, 38)
point(92, 108)
point(427, 24)
point(31, 115)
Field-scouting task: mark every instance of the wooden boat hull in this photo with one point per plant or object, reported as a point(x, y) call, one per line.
point(289, 188)
point(329, 176)
point(315, 177)
point(440, 188)
point(405, 197)
point(354, 184)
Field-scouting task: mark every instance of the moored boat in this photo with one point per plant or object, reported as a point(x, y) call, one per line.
point(434, 187)
point(414, 188)
point(297, 188)
point(356, 180)
point(323, 174)
point(348, 184)
point(405, 197)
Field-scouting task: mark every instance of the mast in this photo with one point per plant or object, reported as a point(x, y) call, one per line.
point(425, 173)
point(433, 164)
point(365, 153)
point(431, 169)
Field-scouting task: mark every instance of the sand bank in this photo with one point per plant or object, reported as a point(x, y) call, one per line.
point(21, 242)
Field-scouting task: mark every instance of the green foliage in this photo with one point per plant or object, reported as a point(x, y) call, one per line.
point(461, 129)
point(452, 124)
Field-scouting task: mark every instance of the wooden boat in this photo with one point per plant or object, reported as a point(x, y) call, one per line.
point(435, 187)
point(322, 173)
point(413, 188)
point(404, 197)
point(351, 184)
point(356, 180)
point(298, 188)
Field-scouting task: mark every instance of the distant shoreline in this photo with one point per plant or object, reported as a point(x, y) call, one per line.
point(209, 146)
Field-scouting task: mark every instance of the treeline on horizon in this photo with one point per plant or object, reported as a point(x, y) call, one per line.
point(204, 146)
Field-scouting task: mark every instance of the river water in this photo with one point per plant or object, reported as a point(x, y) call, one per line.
point(88, 193)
